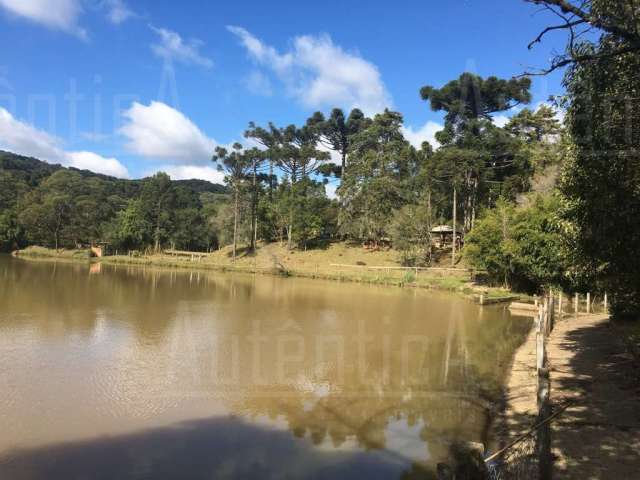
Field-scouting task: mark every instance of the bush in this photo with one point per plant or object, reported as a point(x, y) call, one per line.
point(520, 247)
point(411, 235)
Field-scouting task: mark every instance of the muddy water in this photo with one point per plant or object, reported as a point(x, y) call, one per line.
point(129, 372)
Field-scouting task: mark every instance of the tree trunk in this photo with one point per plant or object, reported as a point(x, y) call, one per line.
point(157, 236)
point(56, 232)
point(270, 178)
point(429, 225)
point(475, 202)
point(235, 223)
point(455, 219)
point(290, 226)
point(157, 233)
point(254, 210)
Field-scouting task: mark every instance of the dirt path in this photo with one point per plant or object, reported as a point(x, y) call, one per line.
point(520, 408)
point(598, 437)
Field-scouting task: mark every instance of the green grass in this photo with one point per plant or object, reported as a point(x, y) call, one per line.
point(41, 252)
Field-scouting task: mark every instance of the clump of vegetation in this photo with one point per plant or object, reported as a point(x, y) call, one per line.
point(520, 247)
point(599, 185)
point(41, 252)
point(408, 277)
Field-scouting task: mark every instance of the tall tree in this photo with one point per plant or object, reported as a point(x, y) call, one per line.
point(269, 139)
point(473, 148)
point(617, 20)
point(295, 152)
point(336, 131)
point(257, 158)
point(237, 164)
point(11, 190)
point(601, 199)
point(49, 213)
point(374, 186)
point(157, 199)
point(470, 99)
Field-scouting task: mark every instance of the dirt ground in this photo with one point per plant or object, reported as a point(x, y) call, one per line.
point(598, 436)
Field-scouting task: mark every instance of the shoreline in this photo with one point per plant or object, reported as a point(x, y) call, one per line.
point(518, 408)
point(389, 275)
point(593, 388)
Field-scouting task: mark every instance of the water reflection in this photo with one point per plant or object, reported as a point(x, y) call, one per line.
point(340, 375)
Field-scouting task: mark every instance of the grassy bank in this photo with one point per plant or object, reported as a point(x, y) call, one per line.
point(42, 252)
point(337, 261)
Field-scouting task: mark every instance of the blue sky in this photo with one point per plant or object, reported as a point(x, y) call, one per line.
point(130, 87)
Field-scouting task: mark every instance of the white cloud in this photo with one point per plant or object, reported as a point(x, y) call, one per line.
point(330, 190)
point(264, 54)
point(61, 16)
point(117, 11)
point(173, 47)
point(334, 156)
point(97, 163)
point(500, 120)
point(425, 133)
point(188, 172)
point(25, 139)
point(258, 84)
point(159, 131)
point(319, 73)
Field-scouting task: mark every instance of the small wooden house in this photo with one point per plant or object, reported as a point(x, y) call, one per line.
point(442, 236)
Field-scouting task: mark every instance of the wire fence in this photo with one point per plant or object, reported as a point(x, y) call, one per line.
point(518, 462)
point(529, 456)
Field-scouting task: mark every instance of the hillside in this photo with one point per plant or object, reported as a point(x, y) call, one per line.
point(52, 205)
point(33, 171)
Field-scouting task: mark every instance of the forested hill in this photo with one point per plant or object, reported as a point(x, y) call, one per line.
point(52, 205)
point(33, 171)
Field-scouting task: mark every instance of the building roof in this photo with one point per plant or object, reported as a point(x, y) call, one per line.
point(442, 229)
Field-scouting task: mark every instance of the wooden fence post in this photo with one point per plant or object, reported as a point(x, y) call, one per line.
point(543, 439)
point(606, 303)
point(576, 303)
point(588, 302)
point(540, 338)
point(560, 302)
point(547, 308)
point(540, 350)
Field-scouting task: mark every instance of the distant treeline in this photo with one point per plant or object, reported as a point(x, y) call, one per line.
point(54, 206)
point(387, 191)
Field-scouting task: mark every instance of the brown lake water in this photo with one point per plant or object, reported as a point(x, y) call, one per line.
point(129, 372)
